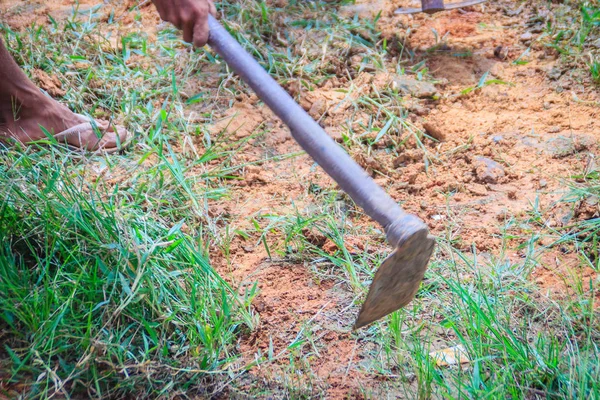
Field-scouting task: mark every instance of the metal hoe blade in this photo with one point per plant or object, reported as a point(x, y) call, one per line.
point(431, 7)
point(397, 281)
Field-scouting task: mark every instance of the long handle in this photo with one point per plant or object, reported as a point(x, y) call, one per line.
point(433, 6)
point(309, 134)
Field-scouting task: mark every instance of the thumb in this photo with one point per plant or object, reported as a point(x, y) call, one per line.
point(212, 9)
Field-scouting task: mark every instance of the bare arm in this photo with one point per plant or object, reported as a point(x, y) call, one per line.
point(191, 16)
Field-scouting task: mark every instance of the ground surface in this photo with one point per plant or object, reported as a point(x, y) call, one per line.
point(467, 118)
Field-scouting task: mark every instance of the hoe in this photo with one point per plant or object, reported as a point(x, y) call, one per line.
point(397, 280)
point(433, 6)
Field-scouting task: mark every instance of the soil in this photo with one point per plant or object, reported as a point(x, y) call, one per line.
point(500, 147)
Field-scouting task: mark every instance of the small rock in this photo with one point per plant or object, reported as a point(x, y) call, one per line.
point(407, 85)
point(543, 183)
point(317, 109)
point(330, 247)
point(255, 174)
point(434, 131)
point(497, 138)
point(259, 305)
point(555, 73)
point(406, 157)
point(539, 28)
point(566, 218)
point(450, 356)
point(591, 201)
point(336, 133)
point(500, 53)
point(487, 170)
point(477, 189)
point(564, 83)
point(418, 109)
point(527, 36)
point(514, 12)
point(502, 214)
point(562, 146)
point(531, 142)
point(305, 104)
point(554, 129)
point(51, 84)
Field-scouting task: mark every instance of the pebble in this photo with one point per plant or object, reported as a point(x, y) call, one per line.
point(500, 52)
point(317, 109)
point(407, 85)
point(488, 170)
point(434, 131)
point(527, 36)
point(562, 146)
point(554, 129)
point(555, 73)
point(537, 28)
point(418, 109)
point(477, 189)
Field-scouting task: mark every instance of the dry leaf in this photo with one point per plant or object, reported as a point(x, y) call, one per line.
point(450, 356)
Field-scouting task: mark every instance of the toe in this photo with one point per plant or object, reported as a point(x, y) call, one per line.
point(113, 138)
point(98, 137)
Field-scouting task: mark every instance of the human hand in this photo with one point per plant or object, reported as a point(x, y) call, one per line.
point(191, 16)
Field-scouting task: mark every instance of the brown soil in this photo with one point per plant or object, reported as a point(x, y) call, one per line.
point(534, 128)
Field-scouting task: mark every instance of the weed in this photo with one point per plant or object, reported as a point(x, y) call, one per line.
point(575, 37)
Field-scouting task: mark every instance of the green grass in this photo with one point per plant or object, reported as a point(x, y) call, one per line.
point(95, 288)
point(522, 343)
point(574, 33)
point(106, 281)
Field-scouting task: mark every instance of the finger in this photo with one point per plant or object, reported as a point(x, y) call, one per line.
point(159, 7)
point(188, 31)
point(162, 12)
point(201, 31)
point(212, 9)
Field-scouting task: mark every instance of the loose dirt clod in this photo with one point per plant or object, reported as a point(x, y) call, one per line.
point(487, 170)
point(416, 88)
point(434, 131)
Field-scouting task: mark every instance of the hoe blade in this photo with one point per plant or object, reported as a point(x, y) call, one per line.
point(444, 7)
point(397, 281)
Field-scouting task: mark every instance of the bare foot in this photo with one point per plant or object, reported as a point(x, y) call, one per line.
point(66, 126)
point(24, 110)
